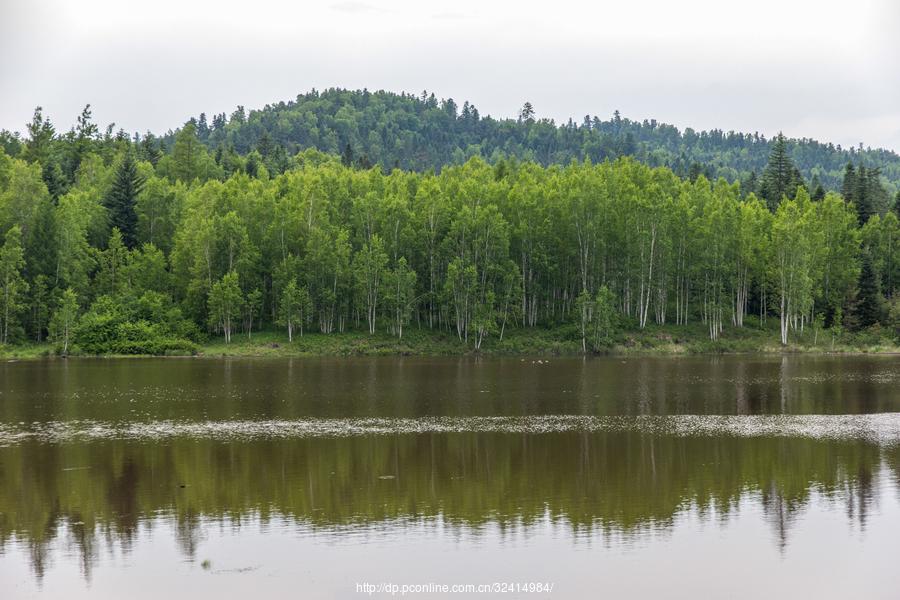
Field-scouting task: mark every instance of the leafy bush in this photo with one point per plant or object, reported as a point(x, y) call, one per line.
point(149, 325)
point(96, 330)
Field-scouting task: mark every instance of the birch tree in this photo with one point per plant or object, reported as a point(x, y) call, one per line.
point(64, 318)
point(369, 267)
point(225, 301)
point(401, 295)
point(294, 308)
point(794, 241)
point(12, 282)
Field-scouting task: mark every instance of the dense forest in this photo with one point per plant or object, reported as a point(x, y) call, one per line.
point(114, 243)
point(420, 132)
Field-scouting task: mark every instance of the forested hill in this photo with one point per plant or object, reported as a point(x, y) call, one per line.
point(422, 132)
point(133, 246)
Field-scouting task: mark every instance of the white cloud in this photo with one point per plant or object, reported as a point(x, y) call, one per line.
point(814, 69)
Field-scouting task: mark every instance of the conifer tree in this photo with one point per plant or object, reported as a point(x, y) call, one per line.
point(869, 301)
point(54, 178)
point(347, 155)
point(780, 177)
point(85, 134)
point(203, 128)
point(121, 199)
point(848, 187)
point(862, 195)
point(40, 137)
point(186, 153)
point(41, 247)
point(526, 114)
point(150, 148)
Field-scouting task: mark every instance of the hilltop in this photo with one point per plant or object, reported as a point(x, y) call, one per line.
point(421, 132)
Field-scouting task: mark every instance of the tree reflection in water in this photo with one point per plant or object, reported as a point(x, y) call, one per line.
point(600, 485)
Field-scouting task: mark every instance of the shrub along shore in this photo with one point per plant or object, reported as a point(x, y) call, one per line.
point(558, 341)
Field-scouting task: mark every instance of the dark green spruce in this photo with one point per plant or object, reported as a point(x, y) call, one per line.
point(869, 300)
point(780, 178)
point(121, 199)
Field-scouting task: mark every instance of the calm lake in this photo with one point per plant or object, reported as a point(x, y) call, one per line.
point(682, 477)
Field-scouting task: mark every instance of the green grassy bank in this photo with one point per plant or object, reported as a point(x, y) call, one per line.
point(557, 341)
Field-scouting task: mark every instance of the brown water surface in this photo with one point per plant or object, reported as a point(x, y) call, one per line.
point(738, 477)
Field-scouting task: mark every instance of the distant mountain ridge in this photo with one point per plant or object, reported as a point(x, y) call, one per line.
point(421, 132)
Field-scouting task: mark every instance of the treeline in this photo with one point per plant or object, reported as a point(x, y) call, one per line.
point(118, 247)
point(422, 132)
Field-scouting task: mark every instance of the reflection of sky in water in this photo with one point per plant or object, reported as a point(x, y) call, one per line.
point(98, 505)
point(729, 476)
point(743, 553)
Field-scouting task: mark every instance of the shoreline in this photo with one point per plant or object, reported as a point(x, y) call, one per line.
point(556, 342)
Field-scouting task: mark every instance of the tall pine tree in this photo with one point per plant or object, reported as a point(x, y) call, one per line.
point(347, 155)
point(41, 247)
point(848, 187)
point(864, 188)
point(780, 177)
point(868, 301)
point(121, 199)
point(862, 194)
point(186, 153)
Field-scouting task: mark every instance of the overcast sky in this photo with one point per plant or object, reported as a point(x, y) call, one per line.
point(824, 69)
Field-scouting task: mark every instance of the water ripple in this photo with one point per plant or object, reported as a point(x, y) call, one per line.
point(880, 428)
